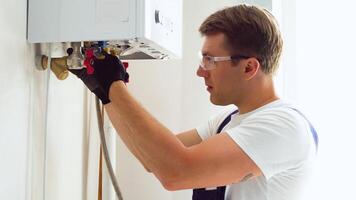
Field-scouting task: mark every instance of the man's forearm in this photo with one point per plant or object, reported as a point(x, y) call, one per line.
point(120, 126)
point(164, 153)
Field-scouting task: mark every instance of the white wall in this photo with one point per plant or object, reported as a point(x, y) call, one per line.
point(15, 78)
point(326, 90)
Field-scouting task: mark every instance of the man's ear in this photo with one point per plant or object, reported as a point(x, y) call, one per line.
point(252, 65)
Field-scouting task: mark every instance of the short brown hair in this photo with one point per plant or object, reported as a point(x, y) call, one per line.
point(250, 31)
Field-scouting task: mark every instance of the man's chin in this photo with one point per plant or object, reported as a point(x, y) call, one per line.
point(218, 102)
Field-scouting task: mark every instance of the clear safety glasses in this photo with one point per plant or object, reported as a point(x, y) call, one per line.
point(209, 62)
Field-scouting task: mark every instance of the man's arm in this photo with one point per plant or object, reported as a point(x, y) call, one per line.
point(119, 124)
point(215, 161)
point(189, 138)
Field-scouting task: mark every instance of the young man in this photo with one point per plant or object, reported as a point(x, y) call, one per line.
point(263, 150)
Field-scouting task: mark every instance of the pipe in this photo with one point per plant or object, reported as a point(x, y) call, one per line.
point(105, 150)
point(76, 59)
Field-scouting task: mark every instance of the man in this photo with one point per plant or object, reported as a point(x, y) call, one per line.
point(263, 150)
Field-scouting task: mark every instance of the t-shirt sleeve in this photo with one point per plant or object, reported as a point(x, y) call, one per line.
point(210, 128)
point(275, 141)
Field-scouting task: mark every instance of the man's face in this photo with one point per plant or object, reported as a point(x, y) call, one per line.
point(225, 82)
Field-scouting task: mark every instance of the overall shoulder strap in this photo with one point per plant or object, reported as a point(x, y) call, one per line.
point(226, 121)
point(219, 192)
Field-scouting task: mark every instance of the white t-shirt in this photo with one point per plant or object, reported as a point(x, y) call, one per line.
point(278, 139)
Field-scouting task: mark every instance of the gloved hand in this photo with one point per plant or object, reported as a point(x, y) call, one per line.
point(106, 71)
point(92, 84)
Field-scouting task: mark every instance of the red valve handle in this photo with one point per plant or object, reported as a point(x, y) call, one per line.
point(89, 61)
point(125, 64)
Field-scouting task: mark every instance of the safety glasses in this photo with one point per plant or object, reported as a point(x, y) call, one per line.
point(209, 62)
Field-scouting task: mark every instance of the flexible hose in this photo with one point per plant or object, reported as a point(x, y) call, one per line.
point(105, 150)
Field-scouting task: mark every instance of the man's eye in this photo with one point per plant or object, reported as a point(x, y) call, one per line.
point(208, 59)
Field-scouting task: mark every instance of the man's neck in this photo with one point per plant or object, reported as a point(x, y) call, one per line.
point(262, 95)
point(250, 107)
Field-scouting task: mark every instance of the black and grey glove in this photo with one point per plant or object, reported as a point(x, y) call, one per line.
point(92, 84)
point(106, 71)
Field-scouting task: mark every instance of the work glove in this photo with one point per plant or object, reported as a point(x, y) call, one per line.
point(109, 70)
point(92, 84)
point(106, 70)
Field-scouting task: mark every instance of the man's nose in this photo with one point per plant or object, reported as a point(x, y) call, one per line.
point(202, 73)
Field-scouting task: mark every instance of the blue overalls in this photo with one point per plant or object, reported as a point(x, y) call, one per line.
point(219, 192)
